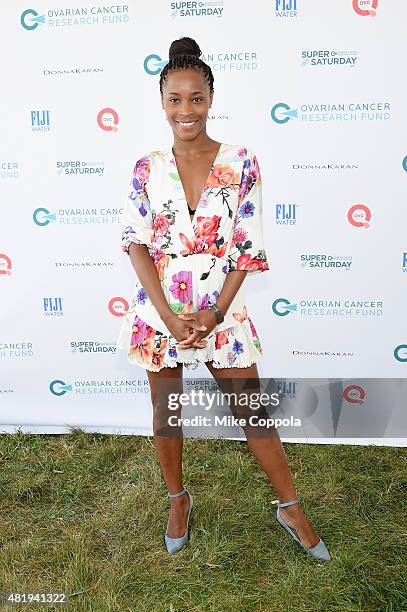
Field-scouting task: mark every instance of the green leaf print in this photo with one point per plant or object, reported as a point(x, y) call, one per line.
point(257, 344)
point(174, 176)
point(176, 308)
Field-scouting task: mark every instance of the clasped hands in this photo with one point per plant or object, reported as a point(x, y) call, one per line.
point(191, 329)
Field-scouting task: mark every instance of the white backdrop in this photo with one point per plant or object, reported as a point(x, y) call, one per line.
point(315, 88)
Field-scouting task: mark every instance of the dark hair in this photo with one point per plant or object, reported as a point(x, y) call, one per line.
point(185, 53)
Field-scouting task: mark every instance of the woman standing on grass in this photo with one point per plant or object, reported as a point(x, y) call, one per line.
point(193, 231)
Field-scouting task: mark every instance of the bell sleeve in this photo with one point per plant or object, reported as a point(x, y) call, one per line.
point(247, 246)
point(137, 223)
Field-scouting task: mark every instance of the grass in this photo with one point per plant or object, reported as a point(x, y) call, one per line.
point(86, 514)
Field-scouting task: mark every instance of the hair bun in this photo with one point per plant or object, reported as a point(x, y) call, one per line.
point(184, 46)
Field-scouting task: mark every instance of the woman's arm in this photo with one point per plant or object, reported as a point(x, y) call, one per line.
point(148, 276)
point(231, 286)
point(233, 281)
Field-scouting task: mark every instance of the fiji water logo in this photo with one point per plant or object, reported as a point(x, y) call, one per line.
point(5, 265)
point(52, 306)
point(404, 262)
point(30, 19)
point(286, 389)
point(354, 394)
point(281, 113)
point(400, 353)
point(108, 120)
point(365, 7)
point(118, 306)
point(285, 214)
point(286, 8)
point(40, 120)
point(189, 8)
point(359, 215)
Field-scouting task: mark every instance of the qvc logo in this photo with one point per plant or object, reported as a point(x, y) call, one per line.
point(108, 120)
point(354, 394)
point(5, 264)
point(118, 306)
point(359, 215)
point(365, 7)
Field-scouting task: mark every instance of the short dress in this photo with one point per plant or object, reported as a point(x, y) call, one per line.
point(193, 256)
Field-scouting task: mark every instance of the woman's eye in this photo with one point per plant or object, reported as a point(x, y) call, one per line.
point(200, 99)
point(173, 99)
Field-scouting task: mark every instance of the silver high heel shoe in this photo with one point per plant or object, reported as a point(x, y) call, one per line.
point(319, 551)
point(173, 545)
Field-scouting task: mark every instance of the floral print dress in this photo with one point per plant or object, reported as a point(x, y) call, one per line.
point(193, 256)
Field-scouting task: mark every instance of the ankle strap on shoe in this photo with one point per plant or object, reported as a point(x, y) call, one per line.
point(289, 503)
point(177, 494)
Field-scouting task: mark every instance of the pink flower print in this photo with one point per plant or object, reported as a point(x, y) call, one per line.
point(139, 331)
point(239, 235)
point(161, 224)
point(242, 152)
point(142, 169)
point(181, 288)
point(253, 329)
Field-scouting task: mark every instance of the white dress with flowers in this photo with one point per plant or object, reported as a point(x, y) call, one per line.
point(193, 256)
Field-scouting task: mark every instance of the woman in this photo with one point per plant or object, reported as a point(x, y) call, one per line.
point(192, 229)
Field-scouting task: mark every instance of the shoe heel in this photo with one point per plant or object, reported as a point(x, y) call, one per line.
point(174, 545)
point(319, 551)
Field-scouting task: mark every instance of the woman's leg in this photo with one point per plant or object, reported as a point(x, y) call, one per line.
point(169, 443)
point(268, 450)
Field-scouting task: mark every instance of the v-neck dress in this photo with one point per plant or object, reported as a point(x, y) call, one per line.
point(193, 256)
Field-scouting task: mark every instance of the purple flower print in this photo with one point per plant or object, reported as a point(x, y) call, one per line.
point(231, 357)
point(141, 296)
point(139, 198)
point(139, 331)
point(203, 301)
point(225, 269)
point(181, 288)
point(172, 352)
point(237, 347)
point(213, 297)
point(247, 210)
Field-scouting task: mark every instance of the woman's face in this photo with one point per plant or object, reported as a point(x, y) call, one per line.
point(186, 100)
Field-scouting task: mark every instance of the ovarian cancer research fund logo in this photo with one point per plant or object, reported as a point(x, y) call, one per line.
point(308, 307)
point(219, 61)
point(282, 113)
point(43, 217)
point(114, 13)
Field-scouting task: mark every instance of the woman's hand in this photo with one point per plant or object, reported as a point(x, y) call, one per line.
point(182, 330)
point(197, 320)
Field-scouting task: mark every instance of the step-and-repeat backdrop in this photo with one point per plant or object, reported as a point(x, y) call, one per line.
point(315, 88)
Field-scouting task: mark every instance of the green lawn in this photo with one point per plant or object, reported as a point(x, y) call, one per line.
point(86, 514)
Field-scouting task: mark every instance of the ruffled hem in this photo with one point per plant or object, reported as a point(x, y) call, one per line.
point(237, 346)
